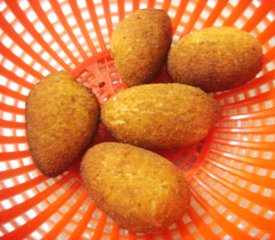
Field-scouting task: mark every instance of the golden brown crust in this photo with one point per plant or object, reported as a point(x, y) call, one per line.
point(215, 59)
point(140, 190)
point(61, 118)
point(160, 115)
point(140, 45)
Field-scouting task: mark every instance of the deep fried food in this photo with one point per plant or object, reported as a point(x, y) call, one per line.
point(215, 59)
point(160, 115)
point(61, 117)
point(140, 45)
point(140, 190)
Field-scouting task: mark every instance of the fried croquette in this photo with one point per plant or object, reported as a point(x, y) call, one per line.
point(215, 59)
point(140, 44)
point(61, 119)
point(140, 190)
point(160, 116)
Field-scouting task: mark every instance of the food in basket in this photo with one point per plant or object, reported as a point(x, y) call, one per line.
point(140, 190)
point(160, 116)
point(61, 119)
point(215, 59)
point(140, 45)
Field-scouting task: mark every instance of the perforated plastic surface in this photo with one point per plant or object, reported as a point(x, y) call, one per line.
point(231, 173)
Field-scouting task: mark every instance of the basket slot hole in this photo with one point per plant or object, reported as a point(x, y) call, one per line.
point(269, 104)
point(20, 132)
point(198, 25)
point(226, 11)
point(7, 116)
point(192, 229)
point(7, 132)
point(270, 43)
point(267, 155)
point(48, 37)
point(254, 232)
point(242, 225)
point(252, 93)
point(231, 217)
point(222, 190)
point(9, 183)
point(70, 227)
point(17, 51)
point(56, 217)
point(241, 97)
point(42, 206)
point(35, 46)
point(66, 9)
point(30, 193)
point(22, 178)
point(65, 38)
point(6, 204)
point(9, 227)
point(46, 227)
point(21, 220)
point(36, 235)
point(92, 224)
point(9, 16)
point(270, 121)
point(265, 87)
point(249, 169)
point(221, 209)
point(115, 20)
point(240, 22)
point(186, 219)
point(107, 228)
point(257, 209)
point(59, 28)
point(18, 199)
point(84, 13)
point(72, 48)
point(262, 26)
point(3, 6)
point(269, 214)
point(27, 161)
point(257, 138)
point(27, 59)
point(31, 213)
point(190, 7)
point(248, 13)
point(242, 183)
point(257, 123)
point(39, 27)
point(254, 188)
point(217, 229)
point(8, 64)
point(197, 208)
point(270, 138)
point(11, 148)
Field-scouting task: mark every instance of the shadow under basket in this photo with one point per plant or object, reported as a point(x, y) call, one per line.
point(231, 173)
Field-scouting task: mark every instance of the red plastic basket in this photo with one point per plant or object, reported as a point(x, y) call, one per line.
point(231, 173)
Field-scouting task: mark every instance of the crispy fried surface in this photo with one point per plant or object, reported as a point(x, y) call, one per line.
point(215, 59)
point(160, 115)
point(140, 45)
point(140, 190)
point(61, 118)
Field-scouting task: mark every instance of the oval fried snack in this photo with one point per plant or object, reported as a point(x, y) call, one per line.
point(215, 59)
point(61, 118)
point(160, 116)
point(140, 190)
point(140, 44)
